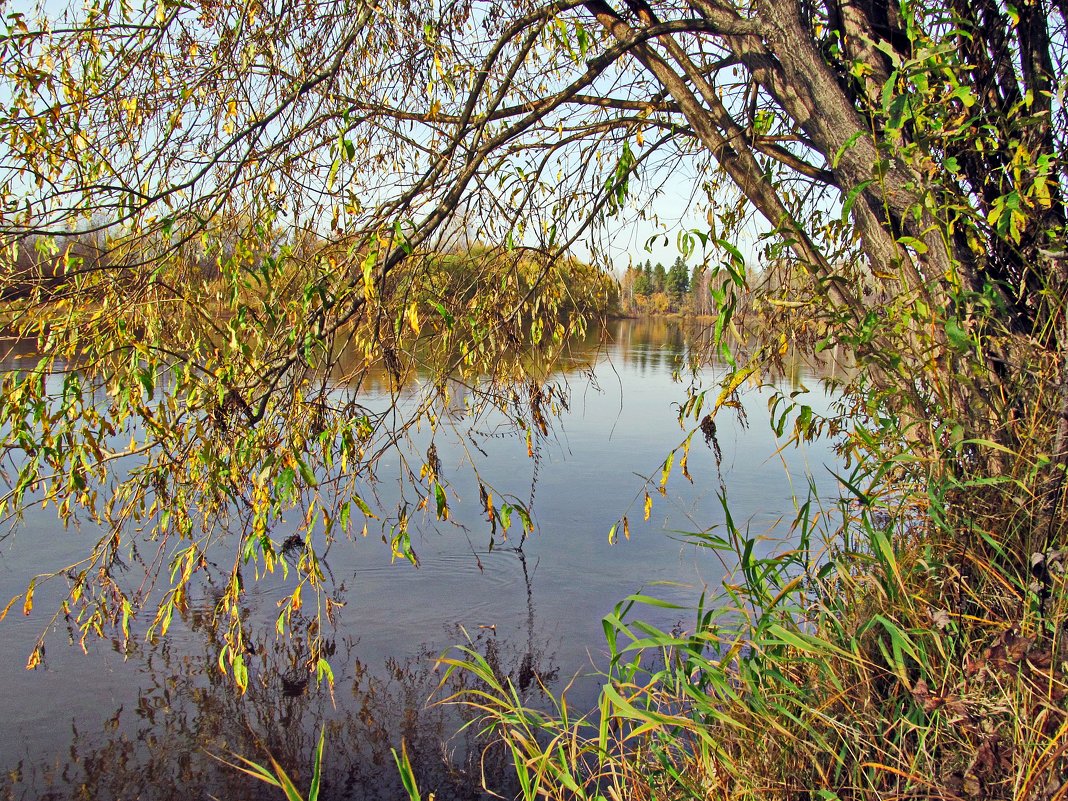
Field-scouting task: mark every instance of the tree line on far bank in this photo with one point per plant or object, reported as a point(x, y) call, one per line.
point(655, 289)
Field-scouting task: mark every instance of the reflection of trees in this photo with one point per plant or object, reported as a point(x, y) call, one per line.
point(655, 343)
point(665, 344)
point(428, 363)
point(160, 747)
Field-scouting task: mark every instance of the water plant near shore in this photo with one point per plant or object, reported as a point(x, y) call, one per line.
point(898, 660)
point(276, 776)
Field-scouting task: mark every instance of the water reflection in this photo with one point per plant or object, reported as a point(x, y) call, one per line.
point(141, 721)
point(650, 344)
point(159, 741)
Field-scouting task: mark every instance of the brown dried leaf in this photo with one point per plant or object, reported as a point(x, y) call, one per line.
point(939, 619)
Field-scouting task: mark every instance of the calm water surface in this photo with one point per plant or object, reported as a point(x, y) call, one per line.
point(145, 724)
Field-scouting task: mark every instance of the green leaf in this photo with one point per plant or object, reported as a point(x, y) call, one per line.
point(407, 775)
point(845, 146)
point(448, 318)
point(362, 504)
point(807, 643)
point(852, 195)
point(317, 764)
point(323, 670)
point(917, 245)
point(735, 254)
point(583, 39)
point(651, 600)
point(899, 112)
point(333, 173)
point(957, 336)
point(307, 473)
point(442, 502)
point(965, 95)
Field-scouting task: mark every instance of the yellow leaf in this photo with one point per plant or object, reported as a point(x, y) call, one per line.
point(729, 389)
point(368, 275)
point(413, 317)
point(1040, 190)
point(7, 608)
point(666, 472)
point(648, 505)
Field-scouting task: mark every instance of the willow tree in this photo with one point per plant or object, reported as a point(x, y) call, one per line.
point(206, 205)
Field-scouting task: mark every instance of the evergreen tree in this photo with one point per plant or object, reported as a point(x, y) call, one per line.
point(643, 282)
point(677, 281)
point(659, 278)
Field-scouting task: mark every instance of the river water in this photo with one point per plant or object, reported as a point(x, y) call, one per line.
point(151, 722)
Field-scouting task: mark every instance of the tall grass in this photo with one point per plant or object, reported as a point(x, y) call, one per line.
point(905, 651)
point(275, 775)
